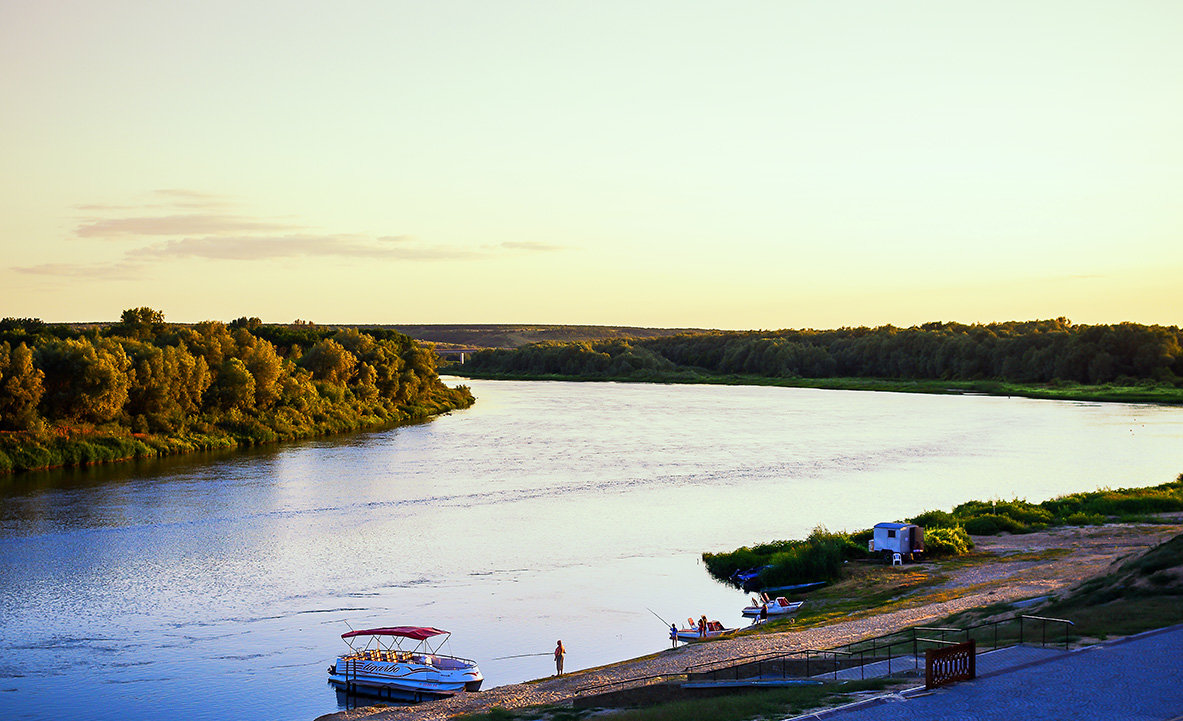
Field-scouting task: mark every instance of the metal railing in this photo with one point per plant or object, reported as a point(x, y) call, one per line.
point(899, 651)
point(636, 680)
point(1043, 622)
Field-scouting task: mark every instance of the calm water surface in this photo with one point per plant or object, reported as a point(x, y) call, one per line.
point(217, 587)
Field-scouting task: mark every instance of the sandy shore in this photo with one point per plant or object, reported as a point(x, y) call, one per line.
point(1014, 567)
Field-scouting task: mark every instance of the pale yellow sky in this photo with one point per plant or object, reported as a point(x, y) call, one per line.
point(751, 165)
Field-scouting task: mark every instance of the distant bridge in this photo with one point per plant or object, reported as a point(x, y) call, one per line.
point(456, 353)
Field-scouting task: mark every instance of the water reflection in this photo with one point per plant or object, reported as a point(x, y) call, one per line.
point(548, 510)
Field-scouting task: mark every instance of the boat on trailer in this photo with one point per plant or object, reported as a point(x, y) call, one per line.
point(378, 665)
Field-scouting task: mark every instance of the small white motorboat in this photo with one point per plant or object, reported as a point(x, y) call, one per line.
point(692, 633)
point(780, 607)
point(377, 665)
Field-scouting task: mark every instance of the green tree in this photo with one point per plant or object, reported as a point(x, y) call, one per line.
point(329, 362)
point(84, 381)
point(143, 322)
point(233, 387)
point(266, 367)
point(21, 387)
point(167, 385)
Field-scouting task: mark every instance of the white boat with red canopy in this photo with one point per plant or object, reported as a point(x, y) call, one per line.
point(378, 665)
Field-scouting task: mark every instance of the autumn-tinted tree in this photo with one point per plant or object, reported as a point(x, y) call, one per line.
point(328, 361)
point(84, 380)
point(20, 387)
point(143, 322)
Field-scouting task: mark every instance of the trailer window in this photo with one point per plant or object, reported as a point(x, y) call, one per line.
point(891, 534)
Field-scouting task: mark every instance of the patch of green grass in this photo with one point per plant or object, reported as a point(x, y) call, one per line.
point(867, 589)
point(746, 704)
point(532, 713)
point(1123, 617)
point(1143, 593)
point(754, 704)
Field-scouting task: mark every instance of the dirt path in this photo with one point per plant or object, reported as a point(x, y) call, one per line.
point(1017, 567)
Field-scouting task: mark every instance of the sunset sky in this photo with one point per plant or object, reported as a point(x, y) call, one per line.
point(731, 165)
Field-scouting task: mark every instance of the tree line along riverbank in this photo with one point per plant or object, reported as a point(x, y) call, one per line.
point(1052, 359)
point(142, 387)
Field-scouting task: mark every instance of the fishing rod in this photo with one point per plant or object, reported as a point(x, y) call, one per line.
point(520, 655)
point(659, 618)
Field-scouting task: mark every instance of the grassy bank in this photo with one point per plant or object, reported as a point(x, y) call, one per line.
point(80, 445)
point(771, 703)
point(823, 556)
point(1107, 393)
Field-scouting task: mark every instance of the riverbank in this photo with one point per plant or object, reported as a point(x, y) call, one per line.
point(1004, 570)
point(1109, 393)
point(71, 446)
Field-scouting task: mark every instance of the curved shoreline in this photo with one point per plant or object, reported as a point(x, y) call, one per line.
point(1014, 568)
point(147, 446)
point(1004, 389)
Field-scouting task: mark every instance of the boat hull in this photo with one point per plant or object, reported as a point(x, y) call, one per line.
point(404, 681)
point(780, 607)
point(773, 611)
point(691, 635)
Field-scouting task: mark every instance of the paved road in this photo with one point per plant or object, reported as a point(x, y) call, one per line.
point(1139, 678)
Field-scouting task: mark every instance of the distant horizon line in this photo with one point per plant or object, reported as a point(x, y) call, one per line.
point(619, 326)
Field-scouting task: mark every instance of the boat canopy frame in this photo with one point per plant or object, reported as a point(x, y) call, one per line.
point(421, 634)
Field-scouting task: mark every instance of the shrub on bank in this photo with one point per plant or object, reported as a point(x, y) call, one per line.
point(941, 542)
point(817, 558)
point(934, 519)
point(989, 525)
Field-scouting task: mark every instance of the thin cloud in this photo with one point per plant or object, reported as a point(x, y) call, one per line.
point(174, 198)
point(190, 195)
point(192, 224)
point(531, 246)
point(121, 270)
point(175, 224)
point(292, 246)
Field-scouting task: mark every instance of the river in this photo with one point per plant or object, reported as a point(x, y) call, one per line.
point(216, 586)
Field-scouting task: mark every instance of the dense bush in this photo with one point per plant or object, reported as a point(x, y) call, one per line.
point(934, 519)
point(982, 518)
point(817, 558)
point(1021, 512)
point(940, 542)
point(992, 525)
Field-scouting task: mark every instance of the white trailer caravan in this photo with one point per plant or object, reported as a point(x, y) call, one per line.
point(888, 539)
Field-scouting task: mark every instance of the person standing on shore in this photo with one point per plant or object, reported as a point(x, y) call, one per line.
point(560, 652)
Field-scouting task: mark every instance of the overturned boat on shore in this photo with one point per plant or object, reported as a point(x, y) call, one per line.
point(378, 665)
